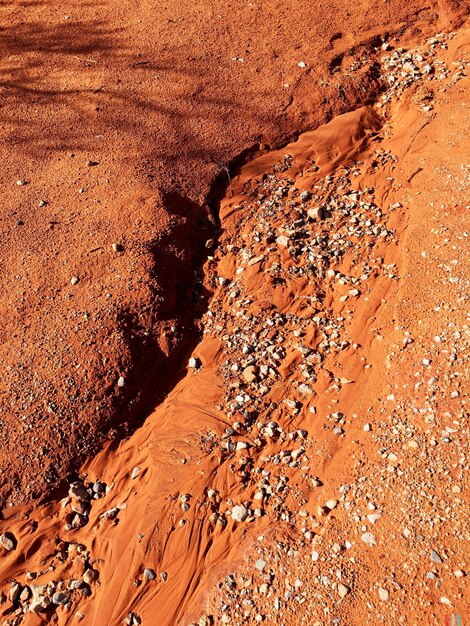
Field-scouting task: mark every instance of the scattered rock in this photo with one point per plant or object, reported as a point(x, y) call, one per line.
point(60, 598)
point(383, 594)
point(149, 574)
point(368, 538)
point(435, 558)
point(239, 513)
point(343, 590)
point(8, 541)
point(90, 576)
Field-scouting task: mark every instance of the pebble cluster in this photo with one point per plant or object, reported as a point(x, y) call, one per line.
point(32, 597)
point(314, 249)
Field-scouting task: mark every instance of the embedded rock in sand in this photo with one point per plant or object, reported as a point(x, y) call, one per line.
point(239, 513)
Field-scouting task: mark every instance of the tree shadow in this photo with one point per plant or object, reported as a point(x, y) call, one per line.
point(86, 76)
point(68, 75)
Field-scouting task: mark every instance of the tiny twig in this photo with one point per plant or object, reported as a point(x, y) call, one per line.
point(420, 169)
point(84, 60)
point(226, 170)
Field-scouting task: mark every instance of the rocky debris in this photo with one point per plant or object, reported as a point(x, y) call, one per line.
point(81, 497)
point(339, 240)
point(60, 591)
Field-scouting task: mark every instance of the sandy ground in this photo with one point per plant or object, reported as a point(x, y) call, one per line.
point(307, 465)
point(117, 120)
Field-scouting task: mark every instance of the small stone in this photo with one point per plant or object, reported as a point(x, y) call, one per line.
point(121, 381)
point(343, 590)
point(369, 539)
point(149, 574)
point(110, 513)
point(79, 491)
point(21, 182)
point(435, 558)
point(459, 573)
point(90, 575)
point(99, 487)
point(116, 247)
point(260, 564)
point(75, 583)
point(305, 195)
point(282, 241)
point(60, 598)
point(331, 504)
point(250, 374)
point(316, 213)
point(194, 363)
point(135, 472)
point(25, 594)
point(14, 593)
point(8, 541)
point(239, 513)
point(74, 280)
point(383, 594)
point(446, 601)
point(164, 576)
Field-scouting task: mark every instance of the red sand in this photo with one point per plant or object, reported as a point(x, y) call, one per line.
point(158, 106)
